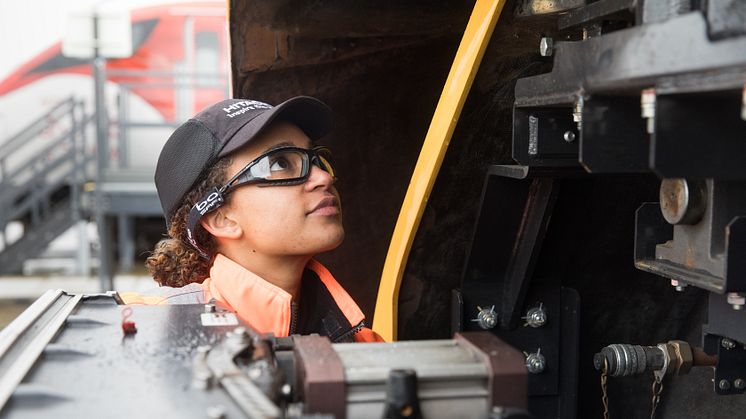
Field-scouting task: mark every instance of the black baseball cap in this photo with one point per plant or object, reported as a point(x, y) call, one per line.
point(222, 129)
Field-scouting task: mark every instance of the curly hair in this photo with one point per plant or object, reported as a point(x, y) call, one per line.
point(175, 263)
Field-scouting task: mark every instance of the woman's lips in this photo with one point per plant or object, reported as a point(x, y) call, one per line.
point(327, 206)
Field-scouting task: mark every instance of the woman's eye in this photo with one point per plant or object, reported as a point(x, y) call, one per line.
point(279, 164)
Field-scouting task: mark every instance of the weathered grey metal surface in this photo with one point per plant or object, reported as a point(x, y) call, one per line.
point(452, 381)
point(93, 371)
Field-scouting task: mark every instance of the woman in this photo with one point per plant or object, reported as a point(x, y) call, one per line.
point(249, 200)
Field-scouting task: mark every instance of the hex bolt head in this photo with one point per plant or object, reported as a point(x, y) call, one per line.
point(546, 47)
point(724, 385)
point(739, 383)
point(210, 308)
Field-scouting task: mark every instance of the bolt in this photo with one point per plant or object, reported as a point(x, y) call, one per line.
point(209, 308)
point(736, 300)
point(535, 362)
point(286, 390)
point(487, 318)
point(679, 286)
point(647, 108)
point(569, 136)
point(577, 113)
point(727, 344)
point(216, 412)
point(536, 316)
point(739, 384)
point(546, 47)
point(724, 385)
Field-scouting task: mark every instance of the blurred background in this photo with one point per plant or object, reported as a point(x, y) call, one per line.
point(81, 126)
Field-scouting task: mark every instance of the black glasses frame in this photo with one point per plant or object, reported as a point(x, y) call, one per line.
point(313, 156)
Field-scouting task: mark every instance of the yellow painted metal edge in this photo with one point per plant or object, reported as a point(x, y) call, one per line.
point(468, 57)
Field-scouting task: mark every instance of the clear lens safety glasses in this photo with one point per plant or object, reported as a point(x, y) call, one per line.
point(282, 166)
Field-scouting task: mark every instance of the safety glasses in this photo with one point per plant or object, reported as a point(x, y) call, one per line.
point(282, 166)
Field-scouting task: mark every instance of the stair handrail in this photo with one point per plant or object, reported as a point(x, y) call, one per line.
point(19, 195)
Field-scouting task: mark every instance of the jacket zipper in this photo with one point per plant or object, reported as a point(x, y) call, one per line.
point(350, 332)
point(293, 318)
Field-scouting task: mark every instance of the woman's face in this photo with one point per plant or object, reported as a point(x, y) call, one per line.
point(294, 220)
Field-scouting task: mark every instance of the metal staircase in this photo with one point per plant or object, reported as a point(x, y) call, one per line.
point(42, 172)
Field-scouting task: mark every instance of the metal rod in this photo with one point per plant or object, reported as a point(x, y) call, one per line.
point(20, 366)
point(105, 274)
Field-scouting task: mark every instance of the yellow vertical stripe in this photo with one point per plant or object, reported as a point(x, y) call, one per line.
point(465, 65)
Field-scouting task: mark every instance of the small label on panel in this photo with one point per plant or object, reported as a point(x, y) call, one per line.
point(219, 319)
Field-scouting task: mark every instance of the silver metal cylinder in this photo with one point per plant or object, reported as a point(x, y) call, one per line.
point(683, 201)
point(624, 360)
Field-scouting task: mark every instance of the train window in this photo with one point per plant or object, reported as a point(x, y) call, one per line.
point(141, 32)
point(207, 56)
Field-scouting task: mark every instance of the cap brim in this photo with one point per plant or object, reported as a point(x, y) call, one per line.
point(311, 115)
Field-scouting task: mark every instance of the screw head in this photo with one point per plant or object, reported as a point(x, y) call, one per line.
point(536, 317)
point(486, 318)
point(724, 384)
point(535, 362)
point(739, 383)
point(569, 136)
point(727, 344)
point(736, 300)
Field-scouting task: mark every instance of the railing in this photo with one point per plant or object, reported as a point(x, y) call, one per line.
point(42, 171)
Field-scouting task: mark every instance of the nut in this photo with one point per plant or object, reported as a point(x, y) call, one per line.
point(671, 361)
point(684, 359)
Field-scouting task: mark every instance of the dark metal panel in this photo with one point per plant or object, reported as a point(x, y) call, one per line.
point(105, 374)
point(699, 136)
point(723, 320)
point(633, 58)
point(539, 137)
point(507, 239)
point(614, 137)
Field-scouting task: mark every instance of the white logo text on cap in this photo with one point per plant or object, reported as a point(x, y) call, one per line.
point(239, 108)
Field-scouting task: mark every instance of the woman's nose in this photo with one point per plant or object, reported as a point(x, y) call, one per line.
point(319, 178)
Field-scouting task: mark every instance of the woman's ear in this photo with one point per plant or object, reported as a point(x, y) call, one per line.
point(221, 225)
